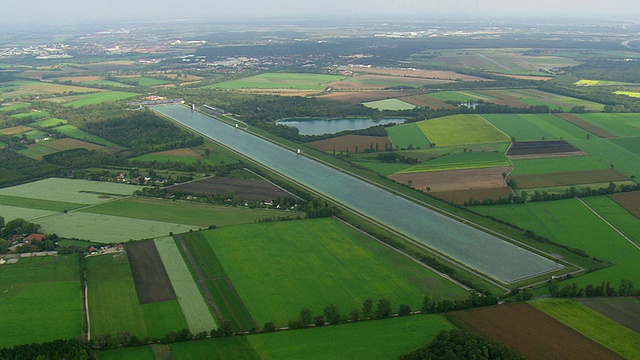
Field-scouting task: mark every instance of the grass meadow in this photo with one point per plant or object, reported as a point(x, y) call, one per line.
point(595, 326)
point(622, 159)
point(41, 300)
point(40, 204)
point(460, 130)
point(571, 223)
point(314, 263)
point(50, 122)
point(13, 212)
point(14, 107)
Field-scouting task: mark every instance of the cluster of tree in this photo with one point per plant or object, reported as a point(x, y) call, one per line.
point(604, 289)
point(59, 349)
point(16, 168)
point(331, 314)
point(569, 193)
point(17, 226)
point(126, 339)
point(391, 157)
point(318, 208)
point(143, 132)
point(460, 344)
point(474, 300)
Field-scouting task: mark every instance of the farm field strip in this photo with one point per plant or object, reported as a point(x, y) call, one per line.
point(625, 311)
point(15, 130)
point(40, 293)
point(597, 327)
point(518, 325)
point(461, 130)
point(532, 127)
point(346, 257)
point(113, 303)
point(51, 122)
point(427, 167)
point(39, 204)
point(216, 286)
point(622, 125)
point(618, 157)
point(181, 212)
point(191, 302)
point(629, 201)
point(553, 165)
point(594, 178)
point(585, 125)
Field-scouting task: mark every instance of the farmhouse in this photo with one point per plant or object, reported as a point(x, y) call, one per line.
point(33, 237)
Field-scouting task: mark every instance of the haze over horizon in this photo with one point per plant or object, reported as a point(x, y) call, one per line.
point(77, 11)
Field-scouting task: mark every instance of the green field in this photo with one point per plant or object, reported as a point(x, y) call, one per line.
point(70, 190)
point(595, 326)
point(630, 143)
point(228, 303)
point(107, 228)
point(536, 97)
point(385, 339)
point(173, 158)
point(459, 96)
point(460, 130)
point(96, 98)
point(41, 300)
point(571, 223)
point(353, 266)
point(622, 125)
point(633, 94)
point(113, 302)
point(389, 104)
point(193, 306)
point(182, 212)
point(279, 81)
point(407, 136)
point(33, 114)
point(557, 164)
point(616, 215)
point(12, 212)
point(623, 160)
point(461, 161)
point(145, 81)
point(531, 127)
point(385, 169)
point(104, 83)
point(34, 203)
point(74, 132)
point(37, 151)
point(14, 107)
point(51, 122)
point(137, 353)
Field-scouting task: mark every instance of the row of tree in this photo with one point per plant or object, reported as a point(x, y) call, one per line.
point(603, 289)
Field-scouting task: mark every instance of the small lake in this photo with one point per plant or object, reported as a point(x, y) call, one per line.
point(319, 126)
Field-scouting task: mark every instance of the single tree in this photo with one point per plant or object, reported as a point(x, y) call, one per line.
point(383, 309)
point(367, 307)
point(306, 317)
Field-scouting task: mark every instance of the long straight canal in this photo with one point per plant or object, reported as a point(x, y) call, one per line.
point(487, 254)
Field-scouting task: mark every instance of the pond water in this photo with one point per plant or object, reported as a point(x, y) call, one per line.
point(481, 251)
point(319, 126)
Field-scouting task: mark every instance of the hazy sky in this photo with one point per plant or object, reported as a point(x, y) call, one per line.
point(97, 10)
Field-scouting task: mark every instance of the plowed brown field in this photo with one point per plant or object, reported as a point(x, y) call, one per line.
point(246, 189)
point(530, 333)
point(149, 275)
point(629, 201)
point(355, 97)
point(350, 142)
